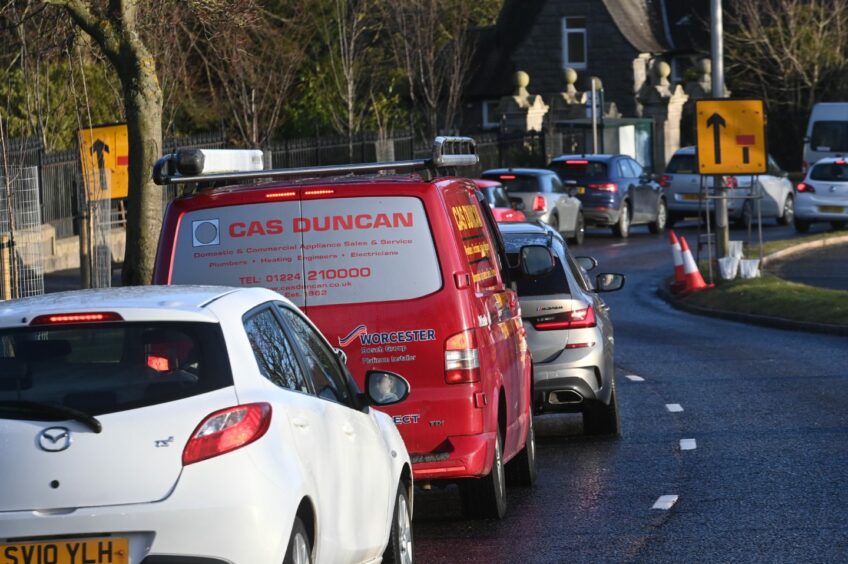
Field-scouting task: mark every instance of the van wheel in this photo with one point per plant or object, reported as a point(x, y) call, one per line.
point(486, 497)
point(299, 551)
point(658, 226)
point(801, 226)
point(579, 230)
point(600, 419)
point(622, 227)
point(400, 547)
point(521, 470)
point(788, 211)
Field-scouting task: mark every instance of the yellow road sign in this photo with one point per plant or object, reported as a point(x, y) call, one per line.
point(104, 154)
point(731, 136)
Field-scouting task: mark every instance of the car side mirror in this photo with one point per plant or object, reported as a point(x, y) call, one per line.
point(536, 260)
point(609, 282)
point(385, 388)
point(516, 203)
point(588, 263)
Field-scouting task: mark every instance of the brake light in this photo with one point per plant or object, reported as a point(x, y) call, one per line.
point(277, 195)
point(60, 318)
point(319, 192)
point(539, 203)
point(576, 162)
point(227, 430)
point(664, 181)
point(507, 177)
point(729, 182)
point(605, 186)
point(462, 361)
point(839, 162)
point(803, 187)
point(576, 319)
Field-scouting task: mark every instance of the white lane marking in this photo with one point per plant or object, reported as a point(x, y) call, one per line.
point(688, 444)
point(634, 378)
point(618, 245)
point(674, 407)
point(665, 502)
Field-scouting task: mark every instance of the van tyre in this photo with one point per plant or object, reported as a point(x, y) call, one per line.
point(658, 225)
point(486, 497)
point(622, 226)
point(788, 211)
point(579, 230)
point(521, 470)
point(400, 547)
point(801, 226)
point(603, 420)
point(299, 550)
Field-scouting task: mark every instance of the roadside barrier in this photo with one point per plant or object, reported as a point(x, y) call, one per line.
point(694, 280)
point(679, 275)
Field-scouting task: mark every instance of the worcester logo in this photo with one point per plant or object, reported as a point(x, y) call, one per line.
point(386, 337)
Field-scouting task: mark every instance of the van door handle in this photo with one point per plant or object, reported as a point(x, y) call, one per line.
point(300, 423)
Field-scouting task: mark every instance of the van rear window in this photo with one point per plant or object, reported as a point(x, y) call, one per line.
point(829, 136)
point(315, 252)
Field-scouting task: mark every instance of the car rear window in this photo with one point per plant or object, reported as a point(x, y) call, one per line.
point(553, 283)
point(103, 369)
point(579, 169)
point(518, 182)
point(829, 136)
point(836, 172)
point(496, 196)
point(681, 164)
point(315, 252)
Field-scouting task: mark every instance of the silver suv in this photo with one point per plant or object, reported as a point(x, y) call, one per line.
point(681, 183)
point(568, 328)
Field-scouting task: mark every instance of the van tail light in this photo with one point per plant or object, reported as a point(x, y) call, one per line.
point(577, 319)
point(605, 187)
point(729, 182)
point(227, 430)
point(462, 360)
point(539, 203)
point(664, 181)
point(803, 187)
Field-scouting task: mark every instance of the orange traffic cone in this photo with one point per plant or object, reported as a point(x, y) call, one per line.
point(694, 280)
point(679, 275)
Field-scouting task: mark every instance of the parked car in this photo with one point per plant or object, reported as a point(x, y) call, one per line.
point(401, 272)
point(568, 327)
point(192, 423)
point(827, 133)
point(545, 198)
point(682, 185)
point(504, 207)
point(615, 190)
point(823, 195)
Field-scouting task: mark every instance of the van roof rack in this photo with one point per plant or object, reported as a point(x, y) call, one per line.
point(187, 165)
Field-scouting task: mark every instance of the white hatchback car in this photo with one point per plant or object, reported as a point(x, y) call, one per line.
point(823, 195)
point(192, 424)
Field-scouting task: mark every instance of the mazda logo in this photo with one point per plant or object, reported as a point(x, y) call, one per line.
point(54, 439)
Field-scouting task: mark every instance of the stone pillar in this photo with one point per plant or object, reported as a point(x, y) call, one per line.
point(663, 102)
point(698, 90)
point(640, 77)
point(522, 111)
point(568, 104)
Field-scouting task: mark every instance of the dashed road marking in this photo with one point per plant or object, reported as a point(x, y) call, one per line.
point(674, 407)
point(618, 245)
point(634, 378)
point(688, 444)
point(665, 502)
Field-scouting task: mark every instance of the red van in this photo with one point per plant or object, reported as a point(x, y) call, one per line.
point(403, 272)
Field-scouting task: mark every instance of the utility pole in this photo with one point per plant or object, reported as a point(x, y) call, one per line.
point(717, 44)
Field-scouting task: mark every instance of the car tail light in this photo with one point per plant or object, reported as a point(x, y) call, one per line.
point(605, 186)
point(839, 162)
point(576, 319)
point(665, 181)
point(539, 203)
point(803, 187)
point(729, 182)
point(61, 318)
point(227, 430)
point(462, 361)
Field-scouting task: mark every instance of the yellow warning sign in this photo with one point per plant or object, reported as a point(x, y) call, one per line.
point(731, 136)
point(104, 154)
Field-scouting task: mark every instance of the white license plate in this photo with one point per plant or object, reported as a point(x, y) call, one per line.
point(831, 209)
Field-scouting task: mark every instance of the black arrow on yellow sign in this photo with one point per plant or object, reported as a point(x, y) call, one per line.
point(717, 122)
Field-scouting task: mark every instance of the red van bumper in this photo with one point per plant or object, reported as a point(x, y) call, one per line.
point(470, 456)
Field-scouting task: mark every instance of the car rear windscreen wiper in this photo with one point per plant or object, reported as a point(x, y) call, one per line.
point(22, 409)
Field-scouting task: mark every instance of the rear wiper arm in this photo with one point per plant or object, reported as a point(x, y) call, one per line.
point(54, 412)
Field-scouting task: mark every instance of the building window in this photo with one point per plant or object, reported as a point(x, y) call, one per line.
point(491, 116)
point(574, 43)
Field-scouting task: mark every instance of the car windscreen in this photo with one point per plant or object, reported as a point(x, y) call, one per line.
point(106, 368)
point(579, 169)
point(315, 252)
point(519, 182)
point(681, 164)
point(829, 136)
point(496, 196)
point(834, 172)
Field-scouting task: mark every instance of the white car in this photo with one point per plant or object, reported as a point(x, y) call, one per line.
point(192, 424)
point(823, 195)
